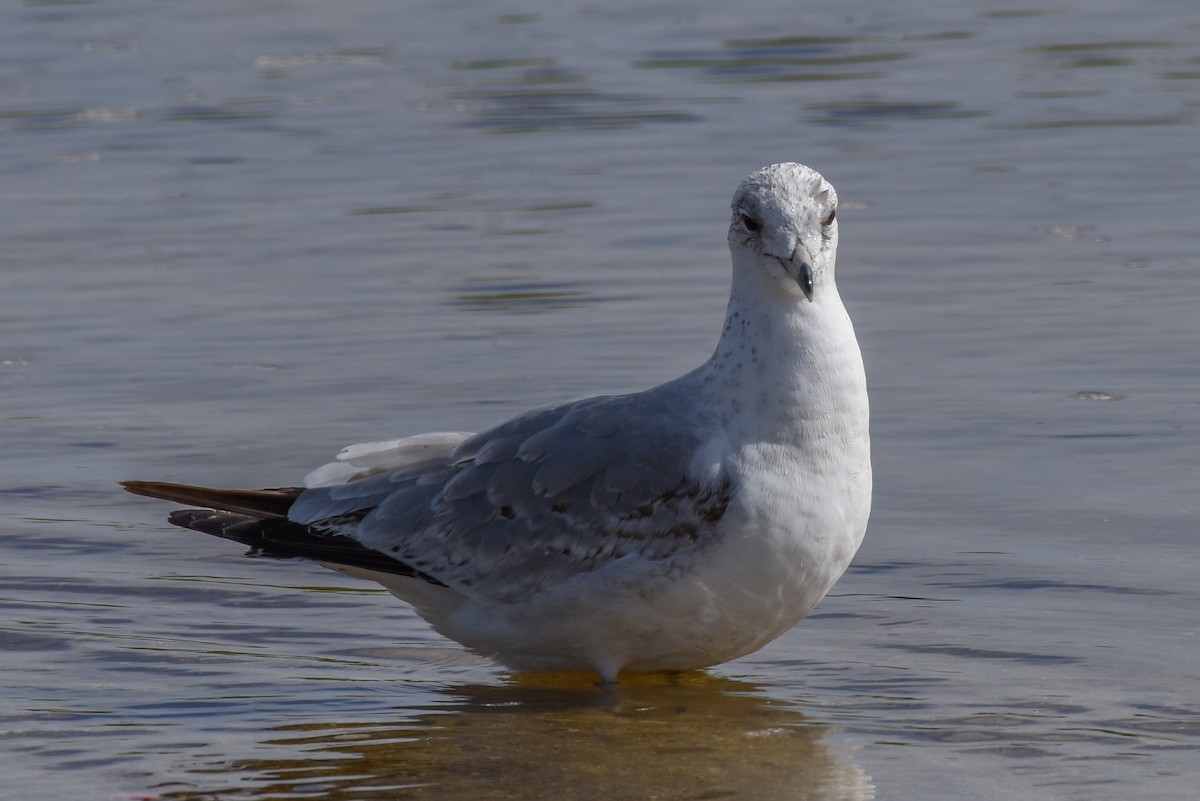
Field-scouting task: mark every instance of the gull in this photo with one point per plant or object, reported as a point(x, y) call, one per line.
point(671, 529)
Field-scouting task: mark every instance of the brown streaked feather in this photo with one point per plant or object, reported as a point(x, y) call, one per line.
point(255, 503)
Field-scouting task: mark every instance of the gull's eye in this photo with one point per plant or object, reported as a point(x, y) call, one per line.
point(752, 225)
point(829, 218)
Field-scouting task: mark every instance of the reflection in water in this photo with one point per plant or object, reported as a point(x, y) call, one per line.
point(685, 736)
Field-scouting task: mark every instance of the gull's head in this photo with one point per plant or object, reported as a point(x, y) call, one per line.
point(784, 223)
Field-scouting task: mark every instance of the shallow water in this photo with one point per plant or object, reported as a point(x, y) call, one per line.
point(237, 237)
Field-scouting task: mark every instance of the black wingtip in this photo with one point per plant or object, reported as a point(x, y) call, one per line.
point(281, 538)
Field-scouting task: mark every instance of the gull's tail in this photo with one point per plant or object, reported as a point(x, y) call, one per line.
point(258, 519)
point(253, 503)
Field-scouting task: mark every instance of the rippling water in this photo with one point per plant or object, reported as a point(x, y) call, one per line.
point(238, 236)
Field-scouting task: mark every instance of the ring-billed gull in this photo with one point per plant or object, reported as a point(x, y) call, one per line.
point(669, 529)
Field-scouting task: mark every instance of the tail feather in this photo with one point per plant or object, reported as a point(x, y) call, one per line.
point(255, 503)
point(258, 519)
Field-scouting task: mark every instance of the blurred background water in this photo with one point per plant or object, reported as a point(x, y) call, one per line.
point(237, 236)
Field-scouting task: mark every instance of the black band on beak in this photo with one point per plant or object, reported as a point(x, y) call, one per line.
point(804, 277)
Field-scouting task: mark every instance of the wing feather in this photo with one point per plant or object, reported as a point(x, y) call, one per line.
point(363, 459)
point(558, 491)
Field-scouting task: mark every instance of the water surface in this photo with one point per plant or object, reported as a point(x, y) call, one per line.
point(239, 237)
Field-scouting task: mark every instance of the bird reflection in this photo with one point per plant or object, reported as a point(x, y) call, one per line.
point(681, 736)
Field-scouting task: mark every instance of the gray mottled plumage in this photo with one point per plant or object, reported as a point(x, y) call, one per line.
point(521, 507)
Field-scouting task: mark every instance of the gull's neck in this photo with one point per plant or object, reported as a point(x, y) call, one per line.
point(786, 369)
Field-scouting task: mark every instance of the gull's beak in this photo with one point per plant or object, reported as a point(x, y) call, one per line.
point(800, 268)
point(804, 277)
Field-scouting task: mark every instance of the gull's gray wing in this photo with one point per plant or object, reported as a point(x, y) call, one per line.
point(554, 492)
